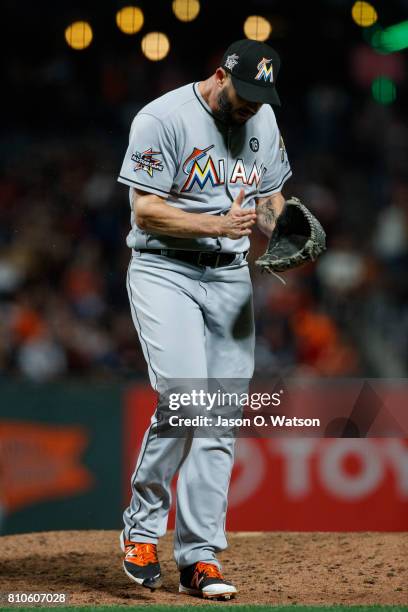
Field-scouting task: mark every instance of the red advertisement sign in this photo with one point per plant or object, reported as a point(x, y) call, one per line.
point(301, 484)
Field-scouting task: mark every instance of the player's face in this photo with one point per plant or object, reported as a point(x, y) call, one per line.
point(234, 109)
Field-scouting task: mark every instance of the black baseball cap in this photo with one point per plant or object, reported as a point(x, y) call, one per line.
point(254, 67)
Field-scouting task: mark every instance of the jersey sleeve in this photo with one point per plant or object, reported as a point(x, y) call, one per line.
point(277, 165)
point(149, 163)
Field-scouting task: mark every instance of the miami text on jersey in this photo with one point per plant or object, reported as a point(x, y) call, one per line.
point(198, 175)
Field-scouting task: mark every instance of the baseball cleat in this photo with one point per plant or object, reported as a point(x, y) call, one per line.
point(205, 580)
point(141, 563)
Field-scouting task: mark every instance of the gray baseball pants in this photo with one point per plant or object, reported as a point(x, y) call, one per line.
point(193, 323)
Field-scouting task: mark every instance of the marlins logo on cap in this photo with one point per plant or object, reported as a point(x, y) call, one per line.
point(264, 71)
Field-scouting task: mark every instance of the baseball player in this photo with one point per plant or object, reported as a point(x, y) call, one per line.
point(205, 162)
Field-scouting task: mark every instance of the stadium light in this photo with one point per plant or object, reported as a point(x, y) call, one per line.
point(130, 19)
point(383, 90)
point(79, 35)
point(257, 28)
point(394, 38)
point(364, 14)
point(186, 10)
point(155, 46)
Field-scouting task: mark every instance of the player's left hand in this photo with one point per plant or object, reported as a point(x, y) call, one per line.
point(297, 238)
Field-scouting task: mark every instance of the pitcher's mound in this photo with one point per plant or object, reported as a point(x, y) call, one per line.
point(267, 568)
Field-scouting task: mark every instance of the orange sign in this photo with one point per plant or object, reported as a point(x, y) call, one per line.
point(40, 462)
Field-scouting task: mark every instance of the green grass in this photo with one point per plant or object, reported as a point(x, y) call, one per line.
point(242, 608)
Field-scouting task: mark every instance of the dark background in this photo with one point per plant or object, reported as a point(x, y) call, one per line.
point(64, 219)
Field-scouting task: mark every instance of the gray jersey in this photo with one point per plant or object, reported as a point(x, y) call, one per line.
point(179, 151)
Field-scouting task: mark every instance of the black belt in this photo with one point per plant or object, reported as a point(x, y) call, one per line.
point(197, 258)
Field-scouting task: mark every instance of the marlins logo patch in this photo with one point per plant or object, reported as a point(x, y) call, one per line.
point(147, 162)
point(265, 70)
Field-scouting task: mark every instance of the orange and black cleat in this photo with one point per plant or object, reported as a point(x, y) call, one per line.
point(141, 563)
point(205, 580)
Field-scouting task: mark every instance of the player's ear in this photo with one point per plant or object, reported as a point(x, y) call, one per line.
point(221, 77)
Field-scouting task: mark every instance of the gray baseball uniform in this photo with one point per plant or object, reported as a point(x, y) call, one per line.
point(193, 322)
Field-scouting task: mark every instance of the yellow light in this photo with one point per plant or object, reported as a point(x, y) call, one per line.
point(79, 35)
point(155, 46)
point(257, 28)
point(364, 14)
point(130, 19)
point(186, 10)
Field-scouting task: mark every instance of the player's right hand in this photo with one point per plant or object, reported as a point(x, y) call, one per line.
point(238, 221)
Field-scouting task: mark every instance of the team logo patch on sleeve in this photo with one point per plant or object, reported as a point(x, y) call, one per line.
point(146, 161)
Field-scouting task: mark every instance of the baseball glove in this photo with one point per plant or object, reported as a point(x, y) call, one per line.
point(296, 239)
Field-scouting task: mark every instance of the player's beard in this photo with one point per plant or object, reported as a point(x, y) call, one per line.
point(225, 108)
point(228, 113)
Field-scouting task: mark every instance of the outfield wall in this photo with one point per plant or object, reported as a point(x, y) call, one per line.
point(67, 452)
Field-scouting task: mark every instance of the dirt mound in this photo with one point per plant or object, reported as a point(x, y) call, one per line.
point(267, 568)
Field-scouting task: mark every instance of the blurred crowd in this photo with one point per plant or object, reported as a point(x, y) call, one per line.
point(63, 222)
